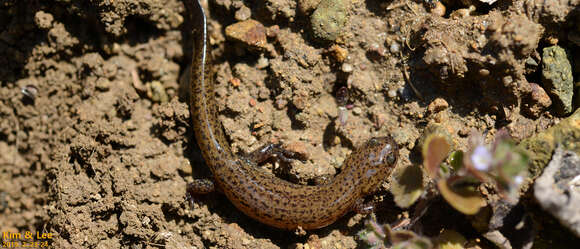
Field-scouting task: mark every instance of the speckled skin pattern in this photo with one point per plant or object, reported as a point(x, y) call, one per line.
point(268, 199)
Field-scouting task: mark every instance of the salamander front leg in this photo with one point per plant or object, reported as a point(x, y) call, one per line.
point(199, 187)
point(362, 207)
point(273, 152)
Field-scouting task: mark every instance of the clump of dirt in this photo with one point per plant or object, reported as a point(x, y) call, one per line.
point(95, 141)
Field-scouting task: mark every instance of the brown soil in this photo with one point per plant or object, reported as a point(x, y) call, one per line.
point(99, 151)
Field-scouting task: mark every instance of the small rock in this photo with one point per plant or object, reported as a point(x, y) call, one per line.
point(537, 101)
point(484, 72)
point(437, 105)
point(236, 82)
point(250, 32)
point(437, 8)
point(273, 31)
point(347, 68)
point(43, 20)
point(558, 191)
point(392, 93)
point(244, 13)
point(329, 19)
point(299, 148)
point(262, 62)
point(339, 53)
point(395, 47)
point(156, 92)
point(557, 78)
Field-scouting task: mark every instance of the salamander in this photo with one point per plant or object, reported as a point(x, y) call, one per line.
point(261, 196)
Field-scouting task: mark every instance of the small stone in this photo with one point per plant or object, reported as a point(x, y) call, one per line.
point(244, 13)
point(557, 189)
point(156, 92)
point(273, 31)
point(253, 102)
point(235, 82)
point(347, 68)
point(557, 78)
point(392, 93)
point(43, 20)
point(339, 53)
point(537, 101)
point(438, 9)
point(437, 105)
point(250, 32)
point(531, 62)
point(329, 19)
point(357, 110)
point(483, 72)
point(395, 47)
point(262, 62)
point(299, 148)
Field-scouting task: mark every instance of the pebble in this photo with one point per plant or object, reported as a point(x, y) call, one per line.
point(537, 101)
point(339, 53)
point(329, 19)
point(43, 20)
point(557, 78)
point(273, 31)
point(392, 93)
point(395, 47)
point(299, 148)
point(156, 92)
point(483, 72)
point(555, 191)
point(244, 13)
point(250, 32)
point(263, 62)
point(347, 68)
point(437, 105)
point(438, 9)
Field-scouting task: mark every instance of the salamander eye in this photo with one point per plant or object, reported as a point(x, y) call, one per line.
point(391, 158)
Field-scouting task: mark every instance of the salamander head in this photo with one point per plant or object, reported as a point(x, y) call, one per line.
point(380, 157)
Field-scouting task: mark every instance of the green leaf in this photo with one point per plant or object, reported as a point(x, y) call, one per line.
point(456, 160)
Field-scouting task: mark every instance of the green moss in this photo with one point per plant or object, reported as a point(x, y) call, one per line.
point(541, 146)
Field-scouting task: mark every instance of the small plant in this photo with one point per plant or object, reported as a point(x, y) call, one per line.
point(499, 163)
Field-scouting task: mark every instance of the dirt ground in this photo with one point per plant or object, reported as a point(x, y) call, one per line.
point(95, 140)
